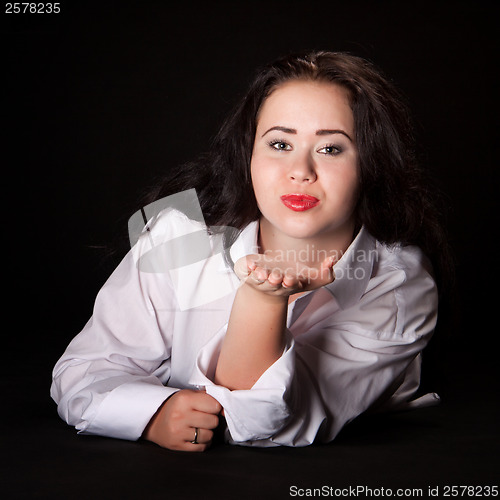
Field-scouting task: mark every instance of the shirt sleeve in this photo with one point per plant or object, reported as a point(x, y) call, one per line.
point(110, 380)
point(337, 364)
point(253, 414)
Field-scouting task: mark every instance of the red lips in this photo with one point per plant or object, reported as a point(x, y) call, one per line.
point(299, 202)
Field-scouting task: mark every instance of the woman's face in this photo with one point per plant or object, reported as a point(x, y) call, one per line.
point(304, 162)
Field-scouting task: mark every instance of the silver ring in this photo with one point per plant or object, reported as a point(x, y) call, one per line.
point(195, 440)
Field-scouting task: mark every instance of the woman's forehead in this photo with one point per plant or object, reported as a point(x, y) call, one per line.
point(315, 103)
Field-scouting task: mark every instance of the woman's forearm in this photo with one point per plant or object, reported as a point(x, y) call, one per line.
point(255, 338)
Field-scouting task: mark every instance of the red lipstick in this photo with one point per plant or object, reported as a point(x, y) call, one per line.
point(299, 202)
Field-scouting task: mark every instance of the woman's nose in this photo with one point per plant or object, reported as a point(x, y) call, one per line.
point(303, 169)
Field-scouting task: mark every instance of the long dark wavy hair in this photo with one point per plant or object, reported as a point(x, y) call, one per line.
point(395, 204)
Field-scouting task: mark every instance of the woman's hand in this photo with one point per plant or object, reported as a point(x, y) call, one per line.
point(277, 278)
point(174, 425)
point(255, 336)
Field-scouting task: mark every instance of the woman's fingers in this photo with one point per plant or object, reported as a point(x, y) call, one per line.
point(290, 280)
point(283, 278)
point(203, 436)
point(174, 424)
point(245, 266)
point(202, 420)
point(260, 274)
point(275, 277)
point(202, 402)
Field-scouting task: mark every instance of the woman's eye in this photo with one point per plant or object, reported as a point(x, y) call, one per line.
point(330, 150)
point(280, 145)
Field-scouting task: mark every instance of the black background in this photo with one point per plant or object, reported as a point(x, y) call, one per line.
point(99, 99)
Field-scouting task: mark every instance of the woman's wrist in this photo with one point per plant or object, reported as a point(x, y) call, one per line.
point(254, 339)
point(261, 297)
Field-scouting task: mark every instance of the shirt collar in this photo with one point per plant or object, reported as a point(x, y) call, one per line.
point(352, 271)
point(246, 243)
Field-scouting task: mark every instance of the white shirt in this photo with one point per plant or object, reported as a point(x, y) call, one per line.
point(159, 321)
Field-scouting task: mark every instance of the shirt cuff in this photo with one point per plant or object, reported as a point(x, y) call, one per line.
point(127, 410)
point(253, 414)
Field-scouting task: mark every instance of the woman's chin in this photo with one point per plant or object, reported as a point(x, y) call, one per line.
point(301, 231)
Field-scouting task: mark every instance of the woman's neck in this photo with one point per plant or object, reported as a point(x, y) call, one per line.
point(308, 252)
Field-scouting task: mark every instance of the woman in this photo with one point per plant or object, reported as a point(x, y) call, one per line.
point(332, 297)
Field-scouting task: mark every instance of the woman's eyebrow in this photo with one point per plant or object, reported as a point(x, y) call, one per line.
point(281, 129)
point(333, 131)
point(287, 130)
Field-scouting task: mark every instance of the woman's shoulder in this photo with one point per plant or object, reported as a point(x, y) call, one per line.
point(409, 259)
point(408, 274)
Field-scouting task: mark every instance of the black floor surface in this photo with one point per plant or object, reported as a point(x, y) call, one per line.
point(453, 444)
